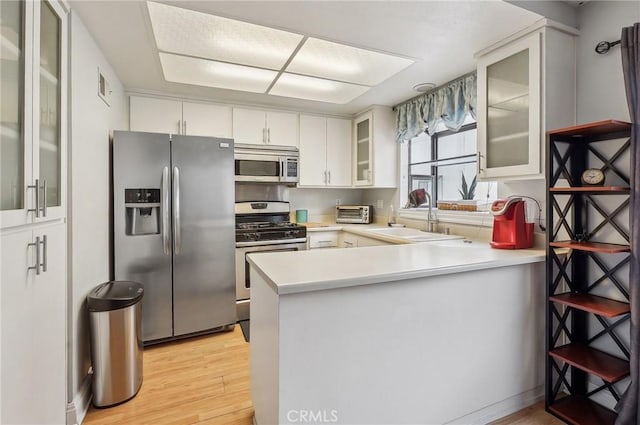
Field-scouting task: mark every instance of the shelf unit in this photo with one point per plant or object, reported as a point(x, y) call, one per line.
point(587, 253)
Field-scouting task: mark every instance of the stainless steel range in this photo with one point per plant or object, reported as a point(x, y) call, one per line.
point(262, 227)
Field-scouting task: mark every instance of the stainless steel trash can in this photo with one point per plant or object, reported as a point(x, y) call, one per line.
point(115, 316)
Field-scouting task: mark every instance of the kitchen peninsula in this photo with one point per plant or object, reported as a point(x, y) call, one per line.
point(440, 332)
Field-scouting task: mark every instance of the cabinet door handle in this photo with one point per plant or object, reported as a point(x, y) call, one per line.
point(325, 176)
point(44, 198)
point(268, 135)
point(179, 126)
point(184, 127)
point(264, 135)
point(37, 245)
point(44, 253)
point(37, 188)
point(329, 174)
point(479, 158)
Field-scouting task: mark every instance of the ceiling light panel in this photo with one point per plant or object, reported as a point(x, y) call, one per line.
point(203, 72)
point(325, 59)
point(302, 87)
point(192, 33)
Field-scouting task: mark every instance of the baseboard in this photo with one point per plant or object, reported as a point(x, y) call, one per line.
point(502, 408)
point(77, 409)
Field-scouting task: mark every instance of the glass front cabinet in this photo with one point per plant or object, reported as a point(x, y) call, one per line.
point(509, 110)
point(33, 112)
point(526, 85)
point(375, 150)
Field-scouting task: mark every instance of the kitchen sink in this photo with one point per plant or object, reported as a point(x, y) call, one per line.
point(401, 232)
point(414, 235)
point(431, 237)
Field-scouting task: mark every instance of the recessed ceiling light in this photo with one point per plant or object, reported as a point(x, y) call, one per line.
point(202, 49)
point(325, 59)
point(424, 87)
point(192, 33)
point(203, 72)
point(303, 87)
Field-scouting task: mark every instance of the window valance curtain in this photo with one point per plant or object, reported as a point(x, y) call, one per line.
point(448, 104)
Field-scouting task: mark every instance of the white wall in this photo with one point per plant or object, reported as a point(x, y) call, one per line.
point(321, 202)
point(89, 211)
point(600, 82)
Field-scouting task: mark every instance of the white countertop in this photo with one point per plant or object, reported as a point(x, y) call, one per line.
point(320, 269)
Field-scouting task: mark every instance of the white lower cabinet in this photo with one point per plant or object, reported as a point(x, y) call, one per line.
point(33, 330)
point(350, 240)
point(323, 239)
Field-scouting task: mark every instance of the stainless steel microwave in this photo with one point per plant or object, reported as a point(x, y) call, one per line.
point(266, 164)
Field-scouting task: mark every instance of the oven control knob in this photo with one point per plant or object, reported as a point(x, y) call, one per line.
point(289, 234)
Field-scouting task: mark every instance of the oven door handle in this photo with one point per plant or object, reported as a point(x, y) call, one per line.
point(271, 243)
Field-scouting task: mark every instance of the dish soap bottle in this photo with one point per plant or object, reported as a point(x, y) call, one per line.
point(391, 220)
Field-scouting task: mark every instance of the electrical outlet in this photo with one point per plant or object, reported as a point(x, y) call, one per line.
point(380, 203)
point(338, 201)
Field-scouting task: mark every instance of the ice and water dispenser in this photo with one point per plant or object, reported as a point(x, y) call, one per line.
point(142, 207)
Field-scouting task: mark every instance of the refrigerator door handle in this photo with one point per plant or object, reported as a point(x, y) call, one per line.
point(176, 211)
point(165, 211)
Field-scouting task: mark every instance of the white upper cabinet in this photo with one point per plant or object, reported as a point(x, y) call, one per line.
point(325, 151)
point(155, 115)
point(282, 128)
point(313, 151)
point(375, 152)
point(201, 119)
point(249, 126)
point(513, 79)
point(33, 118)
point(258, 127)
point(338, 152)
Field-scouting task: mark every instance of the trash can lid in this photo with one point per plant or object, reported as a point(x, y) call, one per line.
point(114, 295)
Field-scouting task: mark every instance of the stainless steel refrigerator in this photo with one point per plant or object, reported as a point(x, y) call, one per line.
point(173, 219)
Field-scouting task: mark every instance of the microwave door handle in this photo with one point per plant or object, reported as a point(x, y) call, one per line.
point(282, 165)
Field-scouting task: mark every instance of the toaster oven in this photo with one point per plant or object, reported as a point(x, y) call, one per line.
point(362, 214)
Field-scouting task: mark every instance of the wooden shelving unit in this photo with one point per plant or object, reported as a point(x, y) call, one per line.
point(591, 189)
point(592, 304)
point(607, 248)
point(579, 410)
point(581, 261)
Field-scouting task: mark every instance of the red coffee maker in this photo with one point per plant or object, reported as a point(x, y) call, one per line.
point(510, 229)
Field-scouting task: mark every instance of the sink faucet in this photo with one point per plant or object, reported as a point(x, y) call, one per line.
point(431, 224)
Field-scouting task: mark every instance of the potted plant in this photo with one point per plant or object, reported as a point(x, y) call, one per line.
point(467, 192)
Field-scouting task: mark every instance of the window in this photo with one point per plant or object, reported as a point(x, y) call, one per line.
point(438, 164)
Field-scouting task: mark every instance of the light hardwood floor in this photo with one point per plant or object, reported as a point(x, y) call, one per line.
point(202, 380)
point(205, 380)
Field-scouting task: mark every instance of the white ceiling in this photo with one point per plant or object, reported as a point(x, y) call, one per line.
point(441, 36)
